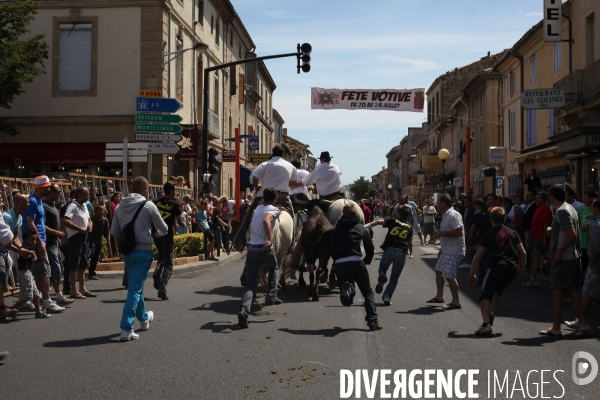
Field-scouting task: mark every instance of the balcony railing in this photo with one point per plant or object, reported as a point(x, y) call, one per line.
point(581, 85)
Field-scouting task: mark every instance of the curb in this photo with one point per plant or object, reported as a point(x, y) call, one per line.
point(183, 269)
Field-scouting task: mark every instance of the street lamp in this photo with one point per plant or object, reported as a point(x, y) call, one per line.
point(443, 154)
point(200, 46)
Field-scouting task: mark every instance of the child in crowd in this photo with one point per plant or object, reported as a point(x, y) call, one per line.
point(182, 230)
point(27, 288)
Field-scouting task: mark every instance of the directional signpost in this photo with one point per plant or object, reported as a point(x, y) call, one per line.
point(154, 123)
point(136, 152)
point(153, 137)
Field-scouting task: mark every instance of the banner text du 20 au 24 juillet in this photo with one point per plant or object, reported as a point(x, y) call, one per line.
point(412, 100)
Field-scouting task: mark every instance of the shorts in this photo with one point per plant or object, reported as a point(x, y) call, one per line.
point(41, 268)
point(496, 280)
point(565, 274)
point(528, 243)
point(5, 265)
point(591, 285)
point(27, 287)
point(54, 260)
point(416, 228)
point(78, 252)
point(537, 245)
point(428, 229)
point(448, 264)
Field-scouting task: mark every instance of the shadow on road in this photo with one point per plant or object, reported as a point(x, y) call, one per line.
point(454, 335)
point(226, 327)
point(229, 291)
point(332, 332)
point(426, 310)
point(230, 307)
point(93, 341)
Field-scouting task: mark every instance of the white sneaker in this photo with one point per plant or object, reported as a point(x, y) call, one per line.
point(464, 266)
point(530, 282)
point(146, 324)
point(129, 335)
point(54, 308)
point(27, 307)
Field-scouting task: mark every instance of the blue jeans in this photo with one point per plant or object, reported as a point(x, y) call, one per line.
point(528, 243)
point(137, 265)
point(254, 260)
point(397, 257)
point(54, 259)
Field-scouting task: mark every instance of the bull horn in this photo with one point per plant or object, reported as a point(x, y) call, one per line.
point(298, 201)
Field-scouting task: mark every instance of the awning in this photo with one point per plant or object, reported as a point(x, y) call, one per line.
point(537, 154)
point(53, 155)
point(245, 177)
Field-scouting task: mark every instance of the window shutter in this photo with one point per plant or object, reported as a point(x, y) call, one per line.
point(241, 89)
point(75, 64)
point(533, 126)
point(551, 132)
point(512, 129)
point(528, 127)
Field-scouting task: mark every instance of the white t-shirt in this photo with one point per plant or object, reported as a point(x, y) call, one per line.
point(6, 236)
point(326, 178)
point(230, 207)
point(452, 220)
point(428, 218)
point(276, 173)
point(79, 215)
point(302, 173)
point(257, 230)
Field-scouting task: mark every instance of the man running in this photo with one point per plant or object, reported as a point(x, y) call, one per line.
point(170, 212)
point(395, 246)
point(261, 252)
point(506, 256)
point(344, 243)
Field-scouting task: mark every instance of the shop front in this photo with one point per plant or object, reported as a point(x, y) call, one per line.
point(581, 146)
point(53, 159)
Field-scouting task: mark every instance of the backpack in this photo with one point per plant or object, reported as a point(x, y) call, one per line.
point(127, 242)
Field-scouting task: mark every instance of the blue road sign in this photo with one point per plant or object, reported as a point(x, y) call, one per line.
point(253, 143)
point(149, 104)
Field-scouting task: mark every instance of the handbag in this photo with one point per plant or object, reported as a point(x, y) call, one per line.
point(127, 241)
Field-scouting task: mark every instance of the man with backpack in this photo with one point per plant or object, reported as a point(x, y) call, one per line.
point(132, 224)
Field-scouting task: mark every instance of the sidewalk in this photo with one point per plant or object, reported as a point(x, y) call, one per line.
point(184, 269)
point(178, 270)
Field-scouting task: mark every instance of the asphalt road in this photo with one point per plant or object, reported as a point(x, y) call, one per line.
point(295, 350)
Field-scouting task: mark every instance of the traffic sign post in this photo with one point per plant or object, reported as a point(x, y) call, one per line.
point(157, 137)
point(126, 152)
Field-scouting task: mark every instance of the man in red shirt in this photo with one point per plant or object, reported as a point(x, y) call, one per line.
point(542, 219)
point(367, 212)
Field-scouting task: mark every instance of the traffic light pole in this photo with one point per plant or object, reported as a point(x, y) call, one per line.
point(206, 85)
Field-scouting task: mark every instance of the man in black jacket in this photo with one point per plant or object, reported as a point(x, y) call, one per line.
point(344, 244)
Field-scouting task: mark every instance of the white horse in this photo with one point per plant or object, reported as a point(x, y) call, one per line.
point(282, 240)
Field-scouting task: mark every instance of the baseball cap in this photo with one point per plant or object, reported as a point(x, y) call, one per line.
point(41, 181)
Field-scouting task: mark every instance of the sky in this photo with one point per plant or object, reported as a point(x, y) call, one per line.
point(381, 44)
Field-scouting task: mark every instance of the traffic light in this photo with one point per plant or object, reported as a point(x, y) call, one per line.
point(213, 160)
point(304, 56)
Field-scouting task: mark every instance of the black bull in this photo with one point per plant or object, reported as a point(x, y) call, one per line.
point(312, 229)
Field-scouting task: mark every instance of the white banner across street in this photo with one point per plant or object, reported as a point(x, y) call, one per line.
point(368, 99)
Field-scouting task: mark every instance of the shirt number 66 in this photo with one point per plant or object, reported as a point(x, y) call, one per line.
point(402, 233)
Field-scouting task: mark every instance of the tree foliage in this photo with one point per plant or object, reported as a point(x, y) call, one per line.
point(360, 188)
point(21, 54)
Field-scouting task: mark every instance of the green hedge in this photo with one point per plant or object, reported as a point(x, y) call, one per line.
point(188, 245)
